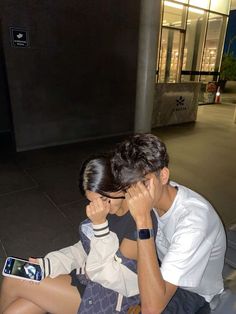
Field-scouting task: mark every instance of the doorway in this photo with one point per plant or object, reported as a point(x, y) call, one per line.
point(171, 55)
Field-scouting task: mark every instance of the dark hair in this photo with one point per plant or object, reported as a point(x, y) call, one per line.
point(137, 156)
point(96, 175)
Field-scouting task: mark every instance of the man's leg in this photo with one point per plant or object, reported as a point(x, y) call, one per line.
point(184, 301)
point(50, 295)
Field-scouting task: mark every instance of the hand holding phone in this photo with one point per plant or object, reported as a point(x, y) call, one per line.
point(23, 269)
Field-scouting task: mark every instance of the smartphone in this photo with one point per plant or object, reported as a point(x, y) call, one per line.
point(23, 269)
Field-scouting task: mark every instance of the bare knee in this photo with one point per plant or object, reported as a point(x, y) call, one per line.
point(10, 290)
point(9, 287)
point(12, 309)
point(8, 311)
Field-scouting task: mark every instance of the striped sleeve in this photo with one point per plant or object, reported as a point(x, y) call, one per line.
point(101, 230)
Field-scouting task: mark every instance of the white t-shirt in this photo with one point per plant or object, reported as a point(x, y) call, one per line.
point(191, 244)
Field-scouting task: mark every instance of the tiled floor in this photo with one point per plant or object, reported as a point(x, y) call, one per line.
point(40, 204)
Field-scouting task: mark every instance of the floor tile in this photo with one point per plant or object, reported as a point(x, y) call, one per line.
point(65, 154)
point(47, 157)
point(13, 178)
point(59, 182)
point(31, 226)
point(2, 261)
point(76, 211)
point(2, 250)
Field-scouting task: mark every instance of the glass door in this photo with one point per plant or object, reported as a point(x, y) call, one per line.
point(170, 55)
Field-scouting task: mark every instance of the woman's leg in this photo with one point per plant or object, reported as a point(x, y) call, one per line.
point(22, 306)
point(50, 295)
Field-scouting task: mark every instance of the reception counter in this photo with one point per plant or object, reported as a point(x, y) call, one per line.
point(175, 103)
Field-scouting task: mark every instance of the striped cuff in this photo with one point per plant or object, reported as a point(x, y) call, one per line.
point(45, 266)
point(101, 230)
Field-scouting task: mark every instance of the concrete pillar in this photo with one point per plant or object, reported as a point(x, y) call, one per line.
point(149, 27)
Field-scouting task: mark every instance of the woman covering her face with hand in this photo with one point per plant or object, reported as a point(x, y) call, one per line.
point(95, 275)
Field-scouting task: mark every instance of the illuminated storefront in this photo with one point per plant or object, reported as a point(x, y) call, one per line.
point(191, 40)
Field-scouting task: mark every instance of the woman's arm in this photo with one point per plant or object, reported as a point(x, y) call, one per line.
point(63, 261)
point(106, 260)
point(128, 248)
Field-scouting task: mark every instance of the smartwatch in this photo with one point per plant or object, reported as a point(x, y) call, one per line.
point(144, 234)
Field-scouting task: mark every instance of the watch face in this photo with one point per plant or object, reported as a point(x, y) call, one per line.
point(144, 234)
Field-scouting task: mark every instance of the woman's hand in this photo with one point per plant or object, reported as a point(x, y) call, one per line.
point(97, 211)
point(33, 260)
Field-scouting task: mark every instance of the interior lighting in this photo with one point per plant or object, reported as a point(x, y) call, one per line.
point(198, 11)
point(177, 23)
point(173, 5)
point(203, 3)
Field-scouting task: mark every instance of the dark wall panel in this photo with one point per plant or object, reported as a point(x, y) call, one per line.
point(5, 125)
point(78, 77)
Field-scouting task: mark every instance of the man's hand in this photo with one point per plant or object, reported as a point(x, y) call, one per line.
point(97, 211)
point(140, 202)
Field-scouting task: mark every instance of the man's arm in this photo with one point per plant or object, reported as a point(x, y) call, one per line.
point(155, 292)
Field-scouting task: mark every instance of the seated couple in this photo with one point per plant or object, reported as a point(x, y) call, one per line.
point(147, 240)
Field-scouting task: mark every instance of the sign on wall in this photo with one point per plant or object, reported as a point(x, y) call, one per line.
point(19, 37)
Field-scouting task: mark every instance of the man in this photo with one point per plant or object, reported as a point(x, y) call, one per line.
point(190, 242)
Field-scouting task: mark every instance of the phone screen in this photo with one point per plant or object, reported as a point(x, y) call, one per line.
point(22, 268)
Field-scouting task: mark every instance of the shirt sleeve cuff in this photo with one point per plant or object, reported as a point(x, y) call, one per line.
point(45, 266)
point(101, 230)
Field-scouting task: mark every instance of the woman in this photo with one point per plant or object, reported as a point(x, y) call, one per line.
point(97, 274)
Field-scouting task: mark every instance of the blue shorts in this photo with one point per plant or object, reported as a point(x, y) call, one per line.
point(76, 283)
point(186, 302)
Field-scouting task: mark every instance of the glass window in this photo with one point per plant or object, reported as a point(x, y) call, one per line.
point(214, 44)
point(174, 14)
point(170, 56)
point(220, 6)
point(194, 42)
point(204, 4)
